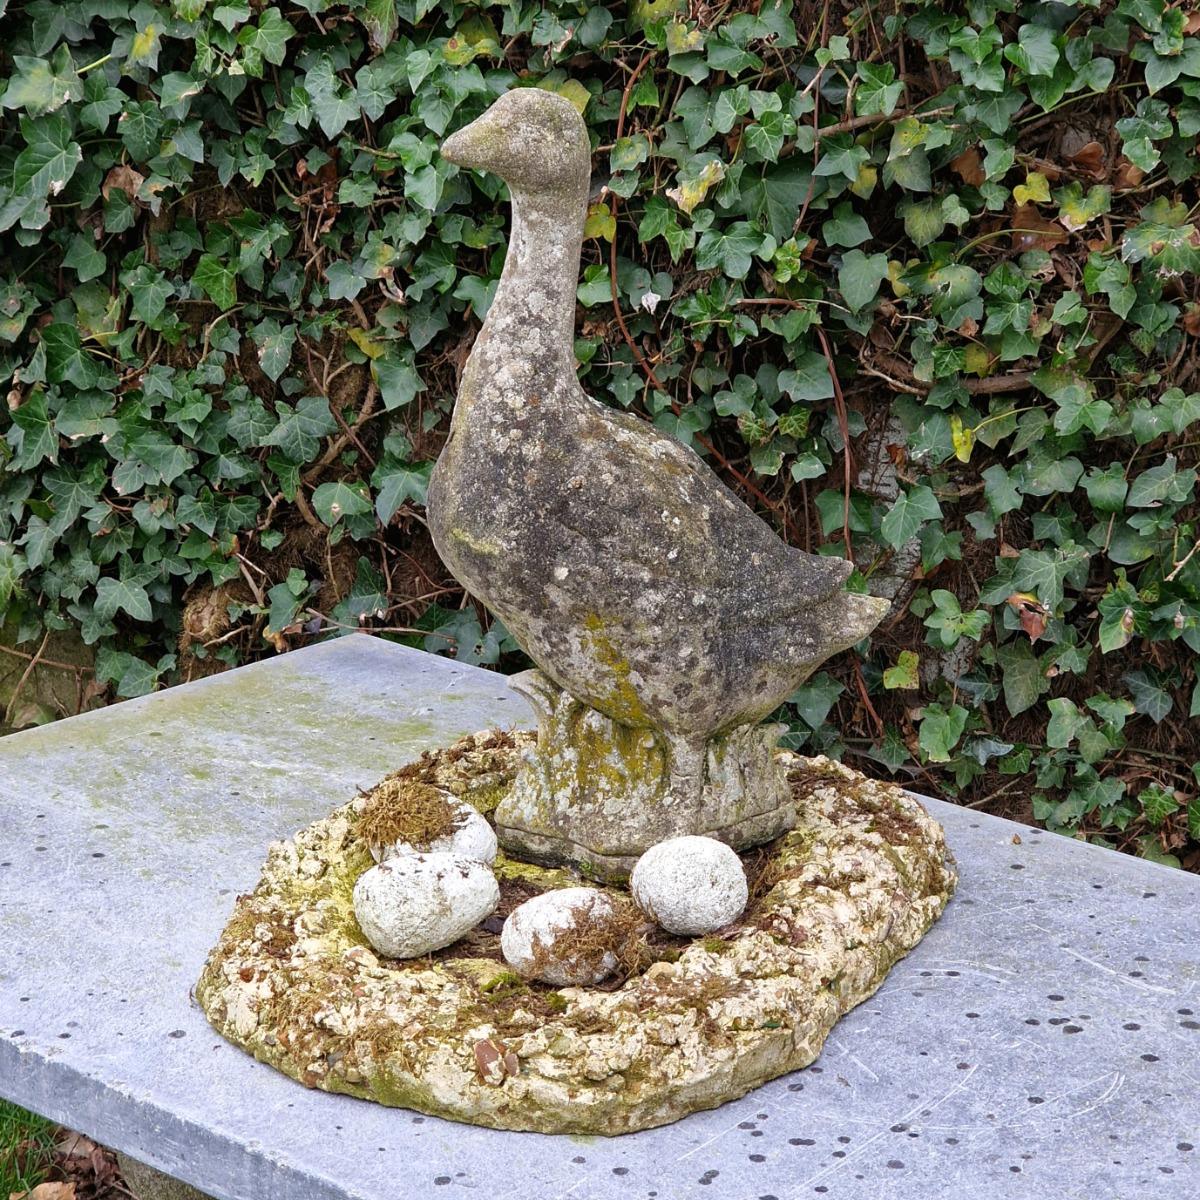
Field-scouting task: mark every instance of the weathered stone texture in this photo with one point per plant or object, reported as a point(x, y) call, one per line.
point(598, 792)
point(839, 900)
point(631, 575)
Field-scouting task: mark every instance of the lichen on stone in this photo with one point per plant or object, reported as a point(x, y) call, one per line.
point(687, 1024)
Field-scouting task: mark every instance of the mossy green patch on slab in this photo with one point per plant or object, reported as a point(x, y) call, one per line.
point(695, 1023)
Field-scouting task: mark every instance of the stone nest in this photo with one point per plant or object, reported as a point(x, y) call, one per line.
point(687, 1024)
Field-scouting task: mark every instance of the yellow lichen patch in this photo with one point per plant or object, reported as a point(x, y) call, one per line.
point(623, 703)
point(537, 877)
point(403, 810)
point(479, 545)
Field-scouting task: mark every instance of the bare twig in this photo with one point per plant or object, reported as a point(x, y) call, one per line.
point(29, 669)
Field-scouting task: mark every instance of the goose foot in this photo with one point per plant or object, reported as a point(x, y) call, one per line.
point(597, 794)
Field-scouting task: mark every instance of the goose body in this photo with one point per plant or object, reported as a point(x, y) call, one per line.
point(629, 573)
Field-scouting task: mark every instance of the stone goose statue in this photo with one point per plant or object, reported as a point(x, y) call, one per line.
point(639, 583)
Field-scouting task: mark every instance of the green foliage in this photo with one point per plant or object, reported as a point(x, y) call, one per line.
point(237, 280)
point(26, 1142)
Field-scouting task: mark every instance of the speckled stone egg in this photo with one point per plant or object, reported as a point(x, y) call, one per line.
point(690, 885)
point(414, 903)
point(473, 838)
point(567, 937)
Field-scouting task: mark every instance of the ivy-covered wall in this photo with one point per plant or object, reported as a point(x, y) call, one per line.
point(917, 278)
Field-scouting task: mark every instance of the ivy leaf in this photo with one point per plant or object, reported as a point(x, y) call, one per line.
point(859, 277)
point(43, 168)
point(1162, 484)
point(910, 510)
point(299, 431)
point(267, 42)
point(114, 595)
point(367, 597)
point(1078, 406)
point(779, 193)
point(841, 156)
point(32, 435)
point(1077, 210)
point(730, 248)
point(1045, 572)
point(40, 86)
point(940, 730)
point(1035, 51)
point(814, 699)
point(766, 137)
point(808, 378)
point(1164, 237)
point(334, 104)
point(398, 379)
point(66, 359)
point(904, 674)
point(924, 220)
point(286, 599)
point(397, 485)
point(380, 19)
point(1157, 804)
point(1066, 723)
point(1149, 692)
point(275, 344)
point(878, 91)
point(132, 675)
point(628, 153)
point(216, 280)
point(333, 501)
point(144, 47)
point(845, 228)
point(1106, 489)
point(1022, 677)
point(345, 281)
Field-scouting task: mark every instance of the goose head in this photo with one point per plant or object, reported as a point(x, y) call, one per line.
point(534, 140)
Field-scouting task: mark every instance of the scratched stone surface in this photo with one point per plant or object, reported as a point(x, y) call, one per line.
point(1042, 1041)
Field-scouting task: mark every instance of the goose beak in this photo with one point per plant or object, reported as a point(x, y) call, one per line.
point(468, 147)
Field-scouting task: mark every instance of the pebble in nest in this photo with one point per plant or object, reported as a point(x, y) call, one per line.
point(690, 885)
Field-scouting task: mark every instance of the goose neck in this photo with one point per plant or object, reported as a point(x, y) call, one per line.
point(533, 313)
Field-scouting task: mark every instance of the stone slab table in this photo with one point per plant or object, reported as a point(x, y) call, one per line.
point(1042, 1041)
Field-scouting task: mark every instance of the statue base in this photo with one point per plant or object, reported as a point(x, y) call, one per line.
point(596, 795)
point(695, 1023)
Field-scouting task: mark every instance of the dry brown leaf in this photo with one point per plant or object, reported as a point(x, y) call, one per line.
point(1191, 319)
point(1031, 231)
point(47, 1191)
point(75, 1145)
point(1032, 615)
point(968, 167)
point(1126, 175)
point(122, 179)
point(1089, 158)
point(494, 1062)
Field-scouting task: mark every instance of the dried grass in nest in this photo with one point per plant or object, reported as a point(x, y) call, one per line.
point(405, 810)
point(618, 928)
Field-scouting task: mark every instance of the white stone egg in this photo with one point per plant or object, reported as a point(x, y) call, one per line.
point(474, 838)
point(415, 903)
point(690, 885)
point(540, 937)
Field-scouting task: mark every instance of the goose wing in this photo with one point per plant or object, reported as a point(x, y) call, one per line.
point(658, 511)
